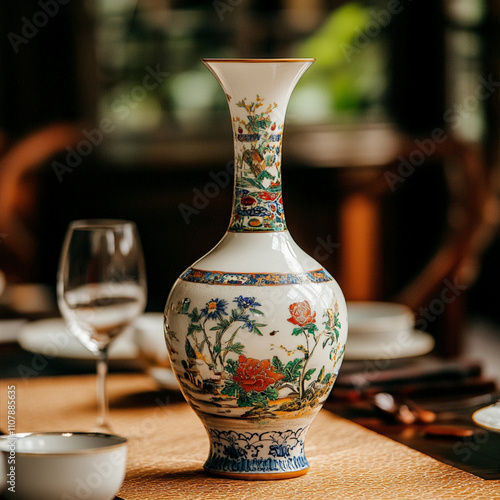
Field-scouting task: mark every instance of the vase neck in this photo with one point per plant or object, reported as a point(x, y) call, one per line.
point(257, 199)
point(257, 92)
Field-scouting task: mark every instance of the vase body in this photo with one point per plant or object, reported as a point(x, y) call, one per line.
point(256, 329)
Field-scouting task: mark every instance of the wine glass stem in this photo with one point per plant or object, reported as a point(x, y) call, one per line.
point(102, 390)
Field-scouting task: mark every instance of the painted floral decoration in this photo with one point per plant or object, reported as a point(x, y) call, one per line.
point(258, 205)
point(214, 309)
point(255, 375)
point(284, 383)
point(301, 313)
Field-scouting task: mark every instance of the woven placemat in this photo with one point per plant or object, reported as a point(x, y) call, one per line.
point(168, 445)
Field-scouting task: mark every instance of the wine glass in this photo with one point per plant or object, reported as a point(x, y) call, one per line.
point(101, 289)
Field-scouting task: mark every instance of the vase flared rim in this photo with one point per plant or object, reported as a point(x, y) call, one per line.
point(257, 60)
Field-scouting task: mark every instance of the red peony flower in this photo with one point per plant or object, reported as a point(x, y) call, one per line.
point(255, 375)
point(264, 195)
point(301, 313)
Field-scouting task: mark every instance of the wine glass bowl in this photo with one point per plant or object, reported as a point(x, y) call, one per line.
point(101, 288)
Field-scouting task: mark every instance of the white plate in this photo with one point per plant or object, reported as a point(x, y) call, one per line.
point(9, 329)
point(165, 378)
point(488, 417)
point(51, 338)
point(402, 345)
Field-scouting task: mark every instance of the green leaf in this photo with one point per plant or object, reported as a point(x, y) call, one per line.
point(258, 398)
point(231, 388)
point(256, 330)
point(189, 350)
point(263, 122)
point(244, 399)
point(256, 311)
point(327, 378)
point(278, 366)
point(265, 175)
point(231, 366)
point(292, 370)
point(271, 393)
point(297, 331)
point(309, 373)
point(238, 348)
point(330, 339)
point(252, 125)
point(311, 328)
point(216, 349)
point(321, 374)
point(194, 315)
point(224, 323)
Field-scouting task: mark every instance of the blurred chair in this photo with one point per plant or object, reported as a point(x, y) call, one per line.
point(472, 216)
point(19, 163)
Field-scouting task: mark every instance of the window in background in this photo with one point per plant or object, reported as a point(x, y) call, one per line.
point(151, 84)
point(467, 95)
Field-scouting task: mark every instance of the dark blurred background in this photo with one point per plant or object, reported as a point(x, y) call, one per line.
point(390, 153)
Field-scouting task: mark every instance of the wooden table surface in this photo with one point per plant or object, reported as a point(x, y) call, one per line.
point(168, 446)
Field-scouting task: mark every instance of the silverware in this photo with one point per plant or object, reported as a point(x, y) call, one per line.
point(464, 405)
point(403, 411)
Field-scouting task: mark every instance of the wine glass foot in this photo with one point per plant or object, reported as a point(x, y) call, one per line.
point(103, 428)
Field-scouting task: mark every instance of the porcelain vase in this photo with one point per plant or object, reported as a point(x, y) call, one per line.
point(256, 328)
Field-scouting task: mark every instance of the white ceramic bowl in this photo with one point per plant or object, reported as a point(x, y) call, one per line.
point(63, 465)
point(380, 319)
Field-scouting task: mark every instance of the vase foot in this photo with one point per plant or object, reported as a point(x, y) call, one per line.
point(257, 450)
point(258, 476)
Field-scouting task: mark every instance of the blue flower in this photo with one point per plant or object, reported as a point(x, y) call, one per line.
point(214, 309)
point(247, 323)
point(246, 302)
